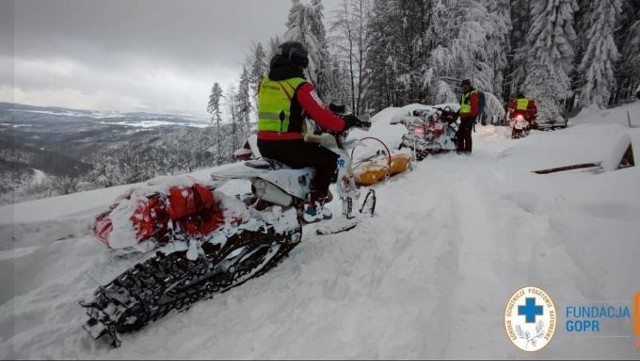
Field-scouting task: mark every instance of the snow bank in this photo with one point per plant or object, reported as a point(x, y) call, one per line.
point(620, 115)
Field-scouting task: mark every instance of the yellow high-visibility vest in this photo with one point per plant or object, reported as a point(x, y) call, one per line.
point(465, 104)
point(274, 110)
point(522, 104)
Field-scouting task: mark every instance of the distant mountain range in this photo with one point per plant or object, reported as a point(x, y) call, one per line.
point(76, 134)
point(66, 142)
point(22, 113)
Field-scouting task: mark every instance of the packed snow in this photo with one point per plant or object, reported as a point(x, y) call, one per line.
point(429, 276)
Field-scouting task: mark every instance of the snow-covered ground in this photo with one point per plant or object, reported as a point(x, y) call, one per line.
point(428, 277)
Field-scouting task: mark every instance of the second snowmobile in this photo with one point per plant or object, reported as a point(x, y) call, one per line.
point(430, 131)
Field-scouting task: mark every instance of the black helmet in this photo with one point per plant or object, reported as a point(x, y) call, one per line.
point(520, 95)
point(466, 82)
point(294, 52)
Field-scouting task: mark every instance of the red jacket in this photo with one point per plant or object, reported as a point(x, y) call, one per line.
point(474, 101)
point(306, 96)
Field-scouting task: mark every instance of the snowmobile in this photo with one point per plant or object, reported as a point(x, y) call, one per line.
point(430, 131)
point(519, 125)
point(190, 269)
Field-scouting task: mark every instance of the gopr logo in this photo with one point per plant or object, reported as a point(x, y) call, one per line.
point(530, 318)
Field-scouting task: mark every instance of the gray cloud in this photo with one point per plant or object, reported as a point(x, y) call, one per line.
point(190, 32)
point(153, 53)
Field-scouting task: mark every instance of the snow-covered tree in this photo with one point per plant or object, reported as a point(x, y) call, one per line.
point(340, 91)
point(243, 111)
point(600, 54)
point(232, 140)
point(351, 43)
point(409, 52)
point(271, 49)
point(550, 54)
point(520, 12)
point(213, 108)
point(577, 75)
point(305, 25)
point(453, 40)
point(258, 68)
point(396, 53)
point(499, 45)
point(317, 28)
point(628, 42)
point(381, 70)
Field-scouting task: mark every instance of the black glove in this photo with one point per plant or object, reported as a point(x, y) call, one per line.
point(349, 121)
point(337, 109)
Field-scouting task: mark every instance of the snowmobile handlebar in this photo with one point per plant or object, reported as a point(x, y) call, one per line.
point(447, 115)
point(365, 125)
point(351, 121)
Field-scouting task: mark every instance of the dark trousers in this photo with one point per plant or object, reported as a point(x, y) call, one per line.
point(463, 136)
point(300, 154)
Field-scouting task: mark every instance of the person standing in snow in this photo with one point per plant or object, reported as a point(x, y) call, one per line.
point(285, 99)
point(469, 108)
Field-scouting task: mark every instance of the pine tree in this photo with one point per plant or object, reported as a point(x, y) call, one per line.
point(380, 71)
point(213, 108)
point(244, 102)
point(460, 39)
point(520, 11)
point(233, 140)
point(274, 41)
point(351, 43)
point(628, 41)
point(258, 69)
point(578, 75)
point(396, 54)
point(438, 66)
point(466, 41)
point(550, 55)
point(600, 55)
point(305, 25)
point(499, 44)
point(340, 89)
point(323, 69)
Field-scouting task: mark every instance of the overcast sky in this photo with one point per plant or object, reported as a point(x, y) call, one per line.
point(130, 55)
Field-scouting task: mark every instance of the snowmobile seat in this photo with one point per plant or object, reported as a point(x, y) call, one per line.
point(265, 163)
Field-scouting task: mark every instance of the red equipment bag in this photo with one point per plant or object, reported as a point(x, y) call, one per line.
point(142, 215)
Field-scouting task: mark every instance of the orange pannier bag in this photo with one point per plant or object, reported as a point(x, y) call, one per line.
point(372, 172)
point(399, 163)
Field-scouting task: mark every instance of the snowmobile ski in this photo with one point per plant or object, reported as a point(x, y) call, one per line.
point(348, 221)
point(336, 225)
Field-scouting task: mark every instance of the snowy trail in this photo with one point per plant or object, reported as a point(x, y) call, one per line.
point(339, 286)
point(495, 242)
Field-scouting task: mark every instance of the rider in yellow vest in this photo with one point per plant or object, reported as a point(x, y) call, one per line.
point(469, 108)
point(285, 98)
point(525, 106)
